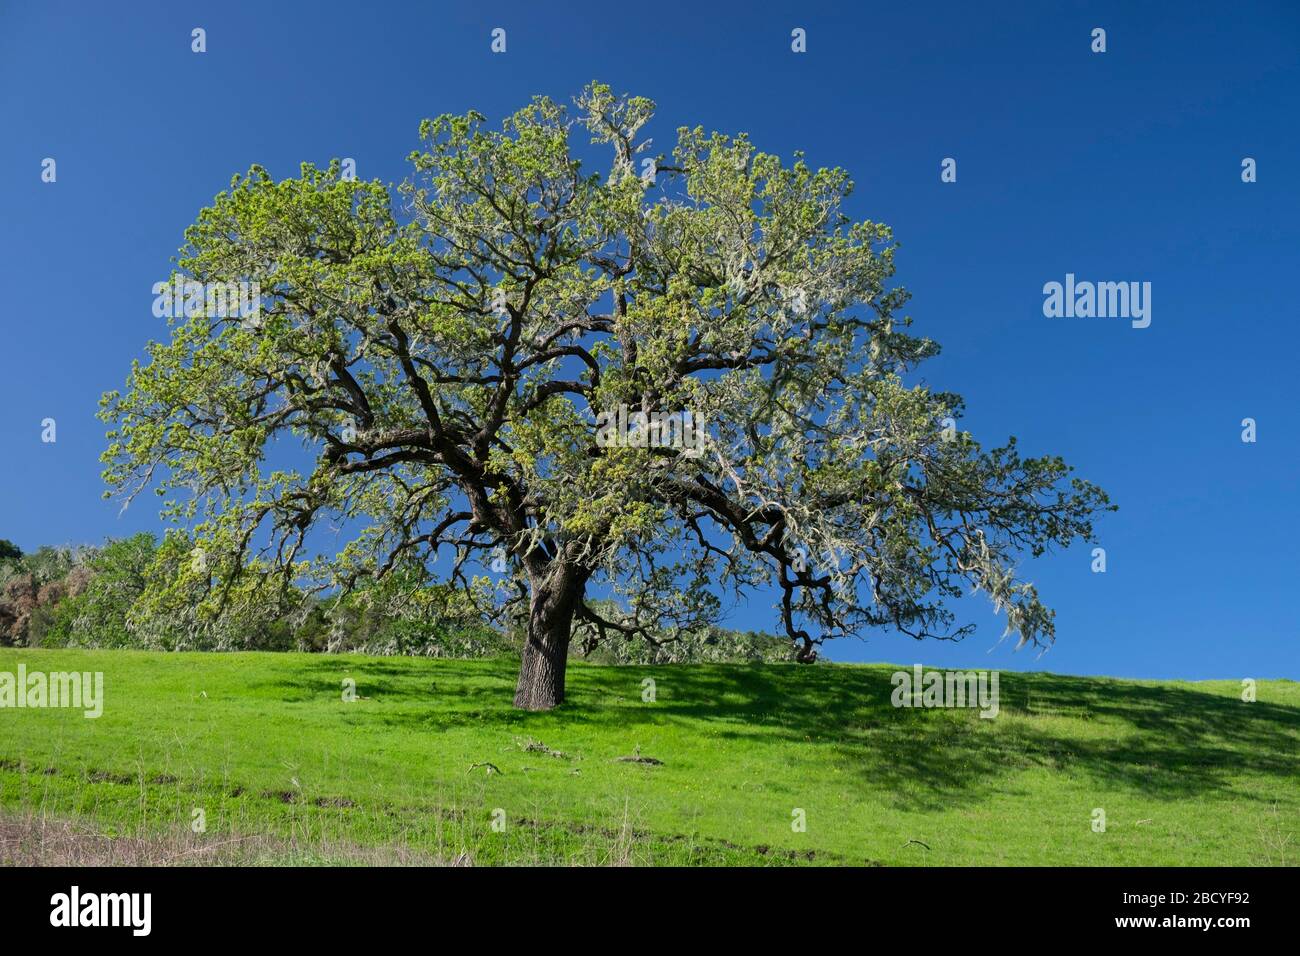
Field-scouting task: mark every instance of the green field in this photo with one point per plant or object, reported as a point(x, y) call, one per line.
point(285, 770)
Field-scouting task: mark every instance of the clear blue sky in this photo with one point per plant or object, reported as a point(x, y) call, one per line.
point(1117, 166)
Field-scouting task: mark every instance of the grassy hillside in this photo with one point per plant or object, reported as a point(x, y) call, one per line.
point(1187, 773)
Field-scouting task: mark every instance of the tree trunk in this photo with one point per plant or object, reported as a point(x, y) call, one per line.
point(550, 620)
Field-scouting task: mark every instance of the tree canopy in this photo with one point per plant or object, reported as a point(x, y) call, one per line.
point(446, 354)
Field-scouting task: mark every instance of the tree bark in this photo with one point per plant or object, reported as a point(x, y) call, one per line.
point(546, 652)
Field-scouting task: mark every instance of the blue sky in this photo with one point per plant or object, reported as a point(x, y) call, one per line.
point(1122, 166)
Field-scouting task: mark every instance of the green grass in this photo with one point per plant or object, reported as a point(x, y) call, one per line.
point(1187, 773)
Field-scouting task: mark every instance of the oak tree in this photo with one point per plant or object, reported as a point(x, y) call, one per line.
point(424, 385)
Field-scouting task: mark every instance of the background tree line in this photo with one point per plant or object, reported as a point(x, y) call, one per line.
point(130, 593)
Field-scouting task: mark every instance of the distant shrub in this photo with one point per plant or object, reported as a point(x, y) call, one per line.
point(707, 645)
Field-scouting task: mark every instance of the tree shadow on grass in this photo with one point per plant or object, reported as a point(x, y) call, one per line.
point(426, 694)
point(1167, 741)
